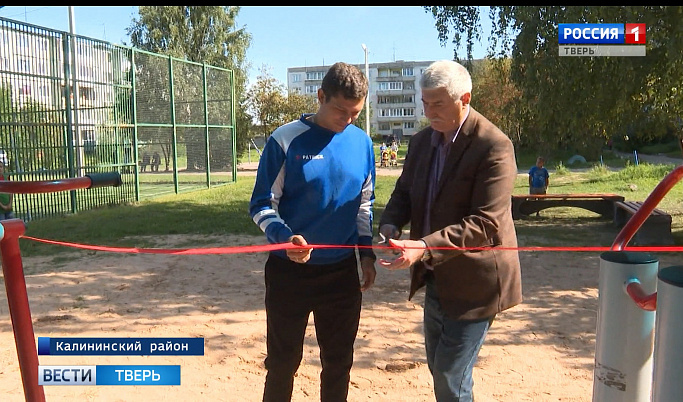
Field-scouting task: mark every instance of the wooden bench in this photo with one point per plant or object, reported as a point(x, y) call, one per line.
point(527, 204)
point(655, 231)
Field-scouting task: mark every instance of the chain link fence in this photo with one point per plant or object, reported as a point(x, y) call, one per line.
point(72, 105)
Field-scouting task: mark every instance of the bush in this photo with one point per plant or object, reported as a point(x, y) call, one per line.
point(561, 169)
point(644, 171)
point(599, 170)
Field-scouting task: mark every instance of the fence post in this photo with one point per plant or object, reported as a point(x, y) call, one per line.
point(207, 137)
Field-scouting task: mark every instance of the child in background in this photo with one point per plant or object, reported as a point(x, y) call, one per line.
point(538, 178)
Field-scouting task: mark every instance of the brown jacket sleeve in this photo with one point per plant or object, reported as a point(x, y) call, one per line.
point(472, 208)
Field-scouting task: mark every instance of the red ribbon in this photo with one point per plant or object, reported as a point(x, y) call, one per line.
point(177, 251)
point(284, 246)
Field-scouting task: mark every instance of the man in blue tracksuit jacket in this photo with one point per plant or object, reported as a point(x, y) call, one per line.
point(315, 185)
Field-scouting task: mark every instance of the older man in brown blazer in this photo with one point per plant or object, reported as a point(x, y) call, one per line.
point(455, 192)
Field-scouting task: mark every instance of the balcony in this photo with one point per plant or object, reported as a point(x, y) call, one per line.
point(395, 105)
point(381, 92)
point(401, 78)
point(396, 119)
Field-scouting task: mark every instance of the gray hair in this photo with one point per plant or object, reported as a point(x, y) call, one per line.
point(447, 74)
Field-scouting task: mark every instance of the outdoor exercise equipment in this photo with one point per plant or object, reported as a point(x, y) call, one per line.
point(13, 271)
point(625, 332)
point(638, 350)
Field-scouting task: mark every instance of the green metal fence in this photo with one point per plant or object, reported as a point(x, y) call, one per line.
point(72, 105)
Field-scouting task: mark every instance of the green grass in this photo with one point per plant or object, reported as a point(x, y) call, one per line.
point(224, 210)
point(633, 182)
point(566, 226)
point(153, 185)
point(672, 149)
point(218, 210)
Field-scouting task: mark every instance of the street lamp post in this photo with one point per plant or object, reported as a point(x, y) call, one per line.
point(367, 100)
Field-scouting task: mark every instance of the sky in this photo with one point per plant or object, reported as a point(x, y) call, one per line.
point(283, 37)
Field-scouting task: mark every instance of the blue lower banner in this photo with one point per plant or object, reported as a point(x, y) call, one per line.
point(120, 346)
point(109, 375)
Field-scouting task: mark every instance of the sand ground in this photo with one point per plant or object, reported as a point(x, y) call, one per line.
point(541, 350)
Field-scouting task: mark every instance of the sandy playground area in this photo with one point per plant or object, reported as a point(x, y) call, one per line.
point(541, 350)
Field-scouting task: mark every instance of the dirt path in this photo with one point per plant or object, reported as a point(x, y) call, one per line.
point(541, 350)
point(654, 159)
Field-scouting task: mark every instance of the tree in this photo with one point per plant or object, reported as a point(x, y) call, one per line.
point(299, 103)
point(266, 103)
point(578, 102)
point(201, 34)
point(6, 108)
point(360, 121)
point(497, 97)
point(271, 107)
point(29, 145)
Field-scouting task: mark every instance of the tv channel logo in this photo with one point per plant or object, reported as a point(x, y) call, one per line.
point(634, 34)
point(109, 375)
point(601, 34)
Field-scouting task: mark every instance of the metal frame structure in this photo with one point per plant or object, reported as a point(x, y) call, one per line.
point(72, 105)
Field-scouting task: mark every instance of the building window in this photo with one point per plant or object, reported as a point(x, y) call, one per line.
point(312, 89)
point(396, 99)
point(408, 72)
point(389, 86)
point(296, 77)
point(315, 75)
point(397, 112)
point(408, 124)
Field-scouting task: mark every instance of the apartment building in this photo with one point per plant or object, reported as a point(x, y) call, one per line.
point(394, 94)
point(33, 69)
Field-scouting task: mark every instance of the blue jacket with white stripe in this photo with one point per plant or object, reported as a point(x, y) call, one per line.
point(319, 184)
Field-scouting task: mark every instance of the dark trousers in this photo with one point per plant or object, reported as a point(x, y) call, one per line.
point(332, 293)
